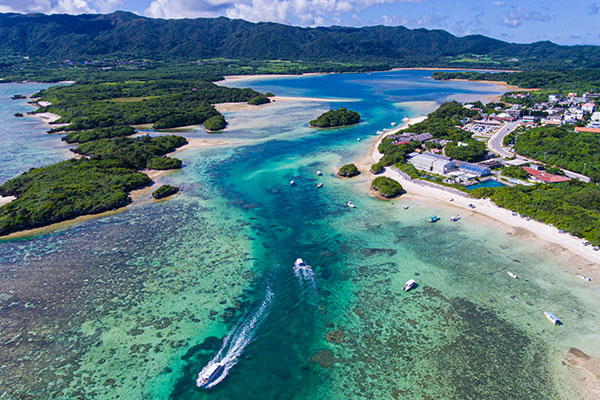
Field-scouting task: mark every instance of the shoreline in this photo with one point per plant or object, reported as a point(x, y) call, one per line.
point(505, 85)
point(485, 207)
point(240, 106)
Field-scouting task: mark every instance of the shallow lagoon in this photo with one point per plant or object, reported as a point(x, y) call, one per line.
point(135, 304)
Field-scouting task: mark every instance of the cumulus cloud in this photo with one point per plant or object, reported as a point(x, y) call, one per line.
point(592, 9)
point(306, 12)
point(60, 6)
point(515, 18)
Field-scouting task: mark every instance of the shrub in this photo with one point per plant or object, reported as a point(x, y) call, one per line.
point(165, 191)
point(216, 123)
point(387, 187)
point(348, 171)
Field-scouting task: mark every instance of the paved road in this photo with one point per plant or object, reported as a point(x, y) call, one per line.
point(495, 142)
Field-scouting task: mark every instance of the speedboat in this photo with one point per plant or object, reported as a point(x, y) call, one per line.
point(319, 173)
point(292, 183)
point(585, 278)
point(210, 375)
point(433, 219)
point(358, 139)
point(553, 318)
point(409, 285)
point(299, 263)
point(512, 275)
point(406, 207)
point(350, 204)
point(455, 218)
point(319, 185)
point(379, 132)
point(393, 124)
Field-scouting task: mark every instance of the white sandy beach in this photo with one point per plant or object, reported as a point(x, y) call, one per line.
point(231, 107)
point(546, 233)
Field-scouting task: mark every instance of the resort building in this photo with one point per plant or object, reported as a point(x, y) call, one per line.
point(474, 169)
point(541, 176)
point(432, 163)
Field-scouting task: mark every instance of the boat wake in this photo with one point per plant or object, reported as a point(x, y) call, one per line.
point(234, 344)
point(304, 273)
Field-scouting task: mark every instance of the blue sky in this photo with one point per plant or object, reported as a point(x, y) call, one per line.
point(561, 21)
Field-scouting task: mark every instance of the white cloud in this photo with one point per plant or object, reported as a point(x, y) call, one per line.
point(515, 18)
point(307, 12)
point(60, 6)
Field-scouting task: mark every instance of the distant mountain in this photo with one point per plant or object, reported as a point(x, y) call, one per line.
point(124, 34)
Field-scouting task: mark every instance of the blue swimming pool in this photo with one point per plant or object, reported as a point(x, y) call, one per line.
point(488, 183)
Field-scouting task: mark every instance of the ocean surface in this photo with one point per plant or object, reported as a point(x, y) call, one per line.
point(137, 304)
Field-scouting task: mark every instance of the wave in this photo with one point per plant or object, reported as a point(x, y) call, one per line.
point(235, 342)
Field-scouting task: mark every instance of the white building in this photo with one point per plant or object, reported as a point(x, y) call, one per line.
point(596, 116)
point(432, 163)
point(588, 107)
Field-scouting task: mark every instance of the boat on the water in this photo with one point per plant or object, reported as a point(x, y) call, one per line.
point(351, 204)
point(292, 183)
point(406, 207)
point(455, 218)
point(379, 132)
point(433, 219)
point(393, 124)
point(409, 285)
point(405, 119)
point(319, 185)
point(585, 278)
point(512, 275)
point(553, 318)
point(299, 263)
point(358, 139)
point(319, 173)
point(210, 375)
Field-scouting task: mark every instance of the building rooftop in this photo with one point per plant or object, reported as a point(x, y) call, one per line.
point(545, 177)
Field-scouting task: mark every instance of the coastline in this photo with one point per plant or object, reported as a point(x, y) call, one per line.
point(231, 107)
point(505, 85)
point(518, 226)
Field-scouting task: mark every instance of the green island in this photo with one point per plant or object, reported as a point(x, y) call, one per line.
point(348, 171)
point(99, 182)
point(215, 124)
point(258, 100)
point(165, 191)
point(98, 133)
point(387, 187)
point(333, 118)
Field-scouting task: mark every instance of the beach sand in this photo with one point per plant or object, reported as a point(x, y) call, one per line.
point(514, 225)
point(231, 107)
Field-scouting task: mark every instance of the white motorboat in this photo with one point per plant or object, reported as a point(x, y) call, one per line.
point(358, 139)
point(379, 132)
point(319, 185)
point(393, 124)
point(553, 318)
point(209, 376)
point(319, 173)
point(585, 278)
point(409, 285)
point(512, 275)
point(406, 207)
point(455, 218)
point(351, 204)
point(292, 183)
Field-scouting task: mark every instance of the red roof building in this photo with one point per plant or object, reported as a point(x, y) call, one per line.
point(545, 177)
point(589, 130)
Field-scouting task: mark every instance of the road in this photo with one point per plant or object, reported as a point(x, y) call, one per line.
point(495, 144)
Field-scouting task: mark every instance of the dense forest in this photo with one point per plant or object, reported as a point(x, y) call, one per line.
point(575, 151)
point(87, 186)
point(572, 206)
point(165, 103)
point(333, 118)
point(127, 35)
point(559, 80)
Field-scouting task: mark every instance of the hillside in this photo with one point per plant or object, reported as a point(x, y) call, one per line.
point(122, 34)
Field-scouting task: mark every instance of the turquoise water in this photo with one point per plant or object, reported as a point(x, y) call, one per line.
point(136, 304)
point(488, 183)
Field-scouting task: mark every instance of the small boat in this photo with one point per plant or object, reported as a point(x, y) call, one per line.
point(405, 119)
point(553, 318)
point(350, 204)
point(596, 248)
point(512, 275)
point(452, 199)
point(393, 124)
point(379, 132)
point(585, 278)
point(409, 285)
point(406, 207)
point(292, 183)
point(433, 219)
point(561, 231)
point(586, 243)
point(514, 214)
point(358, 139)
point(210, 375)
point(319, 185)
point(319, 173)
point(472, 205)
point(455, 218)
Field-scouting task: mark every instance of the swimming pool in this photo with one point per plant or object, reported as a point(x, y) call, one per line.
point(488, 183)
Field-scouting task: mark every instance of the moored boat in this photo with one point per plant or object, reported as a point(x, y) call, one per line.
point(512, 275)
point(433, 219)
point(351, 204)
point(553, 318)
point(585, 278)
point(209, 376)
point(409, 285)
point(319, 173)
point(292, 183)
point(319, 185)
point(455, 218)
point(393, 124)
point(406, 207)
